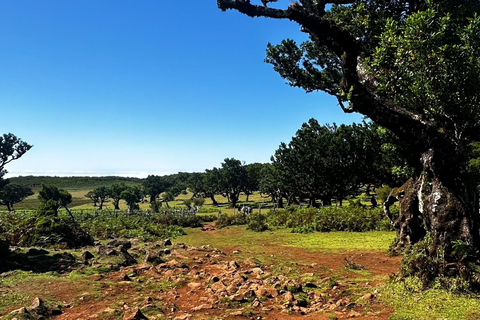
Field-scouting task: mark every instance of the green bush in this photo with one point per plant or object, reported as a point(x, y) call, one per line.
point(225, 220)
point(257, 222)
point(51, 230)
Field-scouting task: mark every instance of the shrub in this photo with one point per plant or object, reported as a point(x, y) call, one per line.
point(382, 193)
point(225, 220)
point(257, 222)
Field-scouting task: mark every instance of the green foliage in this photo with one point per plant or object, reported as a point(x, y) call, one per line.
point(52, 230)
point(353, 219)
point(147, 227)
point(132, 196)
point(187, 203)
point(257, 222)
point(199, 202)
point(382, 193)
point(325, 162)
point(12, 193)
point(51, 199)
point(225, 220)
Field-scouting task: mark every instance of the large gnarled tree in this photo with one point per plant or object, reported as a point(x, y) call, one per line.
point(412, 67)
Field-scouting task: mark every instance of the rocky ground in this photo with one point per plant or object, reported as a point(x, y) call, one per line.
point(177, 281)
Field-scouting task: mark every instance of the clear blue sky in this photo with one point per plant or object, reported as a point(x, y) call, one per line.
point(132, 88)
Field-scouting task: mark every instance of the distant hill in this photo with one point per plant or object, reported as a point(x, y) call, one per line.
point(73, 183)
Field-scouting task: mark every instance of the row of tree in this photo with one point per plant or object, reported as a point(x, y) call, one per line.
point(321, 162)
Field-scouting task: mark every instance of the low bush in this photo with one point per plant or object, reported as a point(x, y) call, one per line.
point(351, 218)
point(257, 222)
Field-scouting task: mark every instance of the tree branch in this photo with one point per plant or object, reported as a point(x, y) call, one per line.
point(347, 48)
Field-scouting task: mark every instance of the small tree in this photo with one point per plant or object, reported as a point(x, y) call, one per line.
point(132, 196)
point(11, 148)
point(52, 199)
point(154, 186)
point(92, 196)
point(13, 193)
point(115, 193)
point(233, 178)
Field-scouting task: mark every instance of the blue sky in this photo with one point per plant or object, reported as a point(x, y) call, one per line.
point(133, 88)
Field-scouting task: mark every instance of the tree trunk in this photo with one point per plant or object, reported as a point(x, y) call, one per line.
point(326, 200)
point(280, 202)
point(214, 201)
point(116, 204)
point(438, 212)
point(233, 199)
point(312, 202)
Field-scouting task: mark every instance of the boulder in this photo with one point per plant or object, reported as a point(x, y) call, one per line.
point(87, 256)
point(120, 243)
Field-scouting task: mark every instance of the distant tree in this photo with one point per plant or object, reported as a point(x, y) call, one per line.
point(252, 182)
point(132, 196)
point(325, 162)
point(98, 195)
point(272, 185)
point(233, 179)
point(205, 184)
point(13, 193)
point(52, 199)
point(115, 193)
point(92, 196)
point(153, 186)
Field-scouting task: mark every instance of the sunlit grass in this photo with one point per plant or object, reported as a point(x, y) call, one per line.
point(329, 242)
point(411, 303)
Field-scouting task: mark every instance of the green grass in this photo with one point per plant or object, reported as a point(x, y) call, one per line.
point(328, 242)
point(335, 242)
point(411, 303)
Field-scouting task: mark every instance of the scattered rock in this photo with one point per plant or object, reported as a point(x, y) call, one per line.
point(134, 314)
point(20, 311)
point(123, 244)
point(218, 286)
point(367, 296)
point(153, 257)
point(208, 227)
point(289, 296)
point(106, 251)
point(129, 260)
point(126, 278)
point(205, 306)
point(87, 256)
point(354, 314)
point(310, 285)
point(167, 242)
point(166, 251)
point(194, 285)
point(237, 313)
